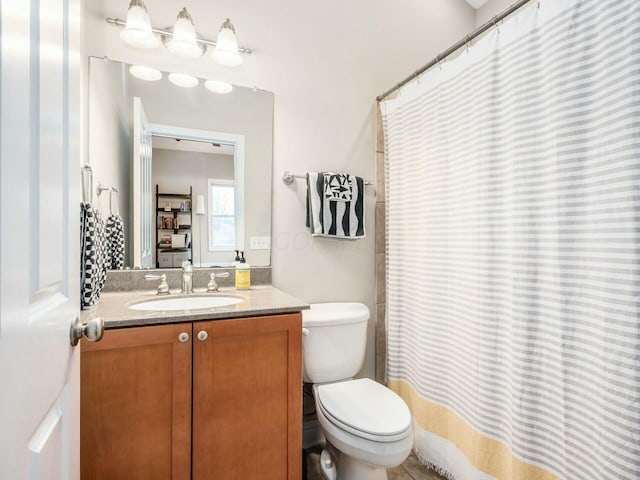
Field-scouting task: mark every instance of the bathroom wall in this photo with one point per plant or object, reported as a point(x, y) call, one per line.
point(325, 63)
point(110, 146)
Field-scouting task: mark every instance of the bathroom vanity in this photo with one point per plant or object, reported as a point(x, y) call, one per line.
point(204, 394)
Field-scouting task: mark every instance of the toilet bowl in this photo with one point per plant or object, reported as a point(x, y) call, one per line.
point(366, 425)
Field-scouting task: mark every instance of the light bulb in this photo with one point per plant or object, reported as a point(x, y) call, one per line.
point(184, 42)
point(217, 86)
point(137, 31)
point(183, 80)
point(226, 51)
point(145, 73)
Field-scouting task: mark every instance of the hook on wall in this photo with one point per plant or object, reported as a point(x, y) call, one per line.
point(100, 189)
point(111, 190)
point(87, 183)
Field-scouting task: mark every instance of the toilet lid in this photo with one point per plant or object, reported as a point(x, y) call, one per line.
point(329, 314)
point(365, 406)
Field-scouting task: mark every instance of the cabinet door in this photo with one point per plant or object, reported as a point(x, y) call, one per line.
point(135, 404)
point(247, 407)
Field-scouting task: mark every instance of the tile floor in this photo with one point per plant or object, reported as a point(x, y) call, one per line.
point(411, 469)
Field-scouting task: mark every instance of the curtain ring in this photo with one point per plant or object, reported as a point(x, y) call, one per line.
point(467, 41)
point(438, 62)
point(495, 24)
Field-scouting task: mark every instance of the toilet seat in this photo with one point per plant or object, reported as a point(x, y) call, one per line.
point(366, 409)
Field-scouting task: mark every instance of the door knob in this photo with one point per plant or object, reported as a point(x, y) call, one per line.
point(92, 330)
point(202, 335)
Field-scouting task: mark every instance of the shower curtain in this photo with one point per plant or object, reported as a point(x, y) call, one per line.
point(513, 248)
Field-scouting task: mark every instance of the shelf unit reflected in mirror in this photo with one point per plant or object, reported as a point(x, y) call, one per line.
point(174, 219)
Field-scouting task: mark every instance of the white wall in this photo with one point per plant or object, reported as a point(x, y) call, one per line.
point(326, 62)
point(109, 146)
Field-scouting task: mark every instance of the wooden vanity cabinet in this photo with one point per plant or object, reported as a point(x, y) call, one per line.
point(135, 404)
point(141, 416)
point(247, 405)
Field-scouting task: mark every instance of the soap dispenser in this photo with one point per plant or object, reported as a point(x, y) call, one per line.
point(237, 259)
point(243, 274)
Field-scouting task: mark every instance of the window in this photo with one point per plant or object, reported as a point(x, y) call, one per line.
point(222, 220)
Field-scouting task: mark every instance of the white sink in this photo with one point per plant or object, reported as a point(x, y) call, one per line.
point(192, 302)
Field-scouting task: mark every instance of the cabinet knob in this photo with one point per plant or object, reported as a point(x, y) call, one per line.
point(183, 337)
point(202, 335)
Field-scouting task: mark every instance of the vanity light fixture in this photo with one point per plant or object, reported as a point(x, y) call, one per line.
point(226, 51)
point(218, 86)
point(181, 39)
point(183, 80)
point(184, 41)
point(145, 73)
point(137, 29)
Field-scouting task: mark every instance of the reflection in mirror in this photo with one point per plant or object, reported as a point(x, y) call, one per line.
point(193, 168)
point(193, 182)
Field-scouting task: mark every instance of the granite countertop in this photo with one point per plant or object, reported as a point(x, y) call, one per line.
point(259, 300)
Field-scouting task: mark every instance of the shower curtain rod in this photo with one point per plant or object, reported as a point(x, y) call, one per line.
point(465, 41)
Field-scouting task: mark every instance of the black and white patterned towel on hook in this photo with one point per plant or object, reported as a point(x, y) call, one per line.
point(115, 239)
point(94, 255)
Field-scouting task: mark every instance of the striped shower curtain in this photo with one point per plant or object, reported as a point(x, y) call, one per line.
point(513, 248)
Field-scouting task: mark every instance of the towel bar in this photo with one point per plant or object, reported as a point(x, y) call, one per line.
point(289, 177)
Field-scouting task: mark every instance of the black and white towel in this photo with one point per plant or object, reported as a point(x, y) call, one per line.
point(335, 205)
point(94, 255)
point(115, 239)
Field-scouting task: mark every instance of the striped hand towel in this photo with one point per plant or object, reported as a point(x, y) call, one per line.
point(335, 205)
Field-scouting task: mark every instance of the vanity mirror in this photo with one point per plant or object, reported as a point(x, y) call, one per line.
point(192, 168)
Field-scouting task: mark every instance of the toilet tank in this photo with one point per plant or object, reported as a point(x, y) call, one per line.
point(333, 341)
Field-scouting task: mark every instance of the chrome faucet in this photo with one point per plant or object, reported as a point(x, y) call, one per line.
point(163, 287)
point(212, 286)
point(187, 277)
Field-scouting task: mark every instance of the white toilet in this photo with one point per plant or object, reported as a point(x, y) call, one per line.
point(367, 426)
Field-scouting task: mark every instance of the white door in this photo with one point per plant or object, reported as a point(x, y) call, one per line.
point(143, 204)
point(39, 242)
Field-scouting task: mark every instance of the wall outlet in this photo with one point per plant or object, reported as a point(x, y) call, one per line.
point(259, 243)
